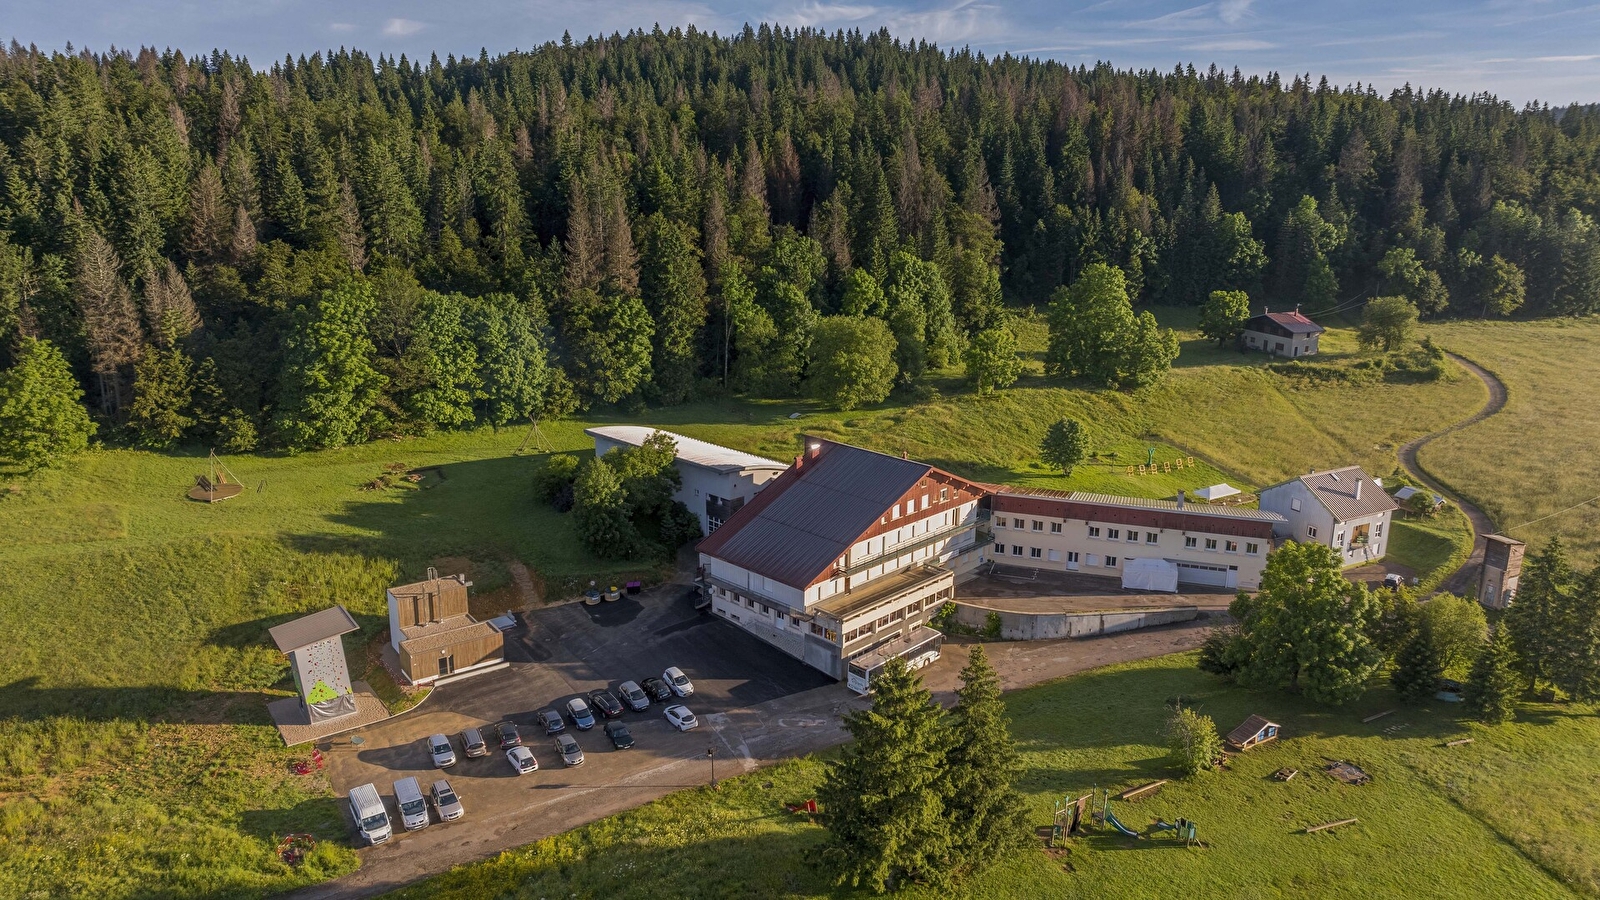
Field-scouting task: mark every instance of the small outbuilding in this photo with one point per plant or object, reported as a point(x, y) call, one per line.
point(1216, 492)
point(1404, 495)
point(315, 649)
point(1253, 732)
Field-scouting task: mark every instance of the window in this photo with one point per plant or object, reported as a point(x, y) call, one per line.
point(749, 603)
point(895, 513)
point(1016, 549)
point(944, 494)
point(1211, 544)
point(897, 615)
point(1191, 542)
point(1311, 531)
point(795, 621)
point(1378, 529)
point(1111, 562)
point(1294, 504)
point(1072, 556)
point(1038, 525)
point(830, 635)
point(1055, 528)
point(883, 622)
point(999, 521)
point(816, 629)
point(999, 549)
point(1094, 531)
point(924, 503)
point(766, 610)
point(1252, 549)
point(1338, 539)
point(852, 634)
point(1055, 556)
point(1113, 534)
point(1133, 536)
point(1017, 523)
point(1231, 546)
point(1035, 552)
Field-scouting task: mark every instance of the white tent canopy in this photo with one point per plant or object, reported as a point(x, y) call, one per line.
point(1216, 492)
point(1150, 575)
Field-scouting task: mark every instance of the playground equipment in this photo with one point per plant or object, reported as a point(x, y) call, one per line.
point(1068, 818)
point(1185, 829)
point(306, 768)
point(1111, 819)
point(215, 487)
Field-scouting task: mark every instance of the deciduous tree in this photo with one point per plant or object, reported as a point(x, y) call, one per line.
point(1223, 316)
point(329, 388)
point(1065, 445)
point(992, 360)
point(1193, 745)
point(1387, 323)
point(852, 362)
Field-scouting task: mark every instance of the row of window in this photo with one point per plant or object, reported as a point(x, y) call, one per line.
point(1022, 524)
point(1150, 537)
point(1037, 553)
point(1115, 534)
point(912, 506)
point(1250, 547)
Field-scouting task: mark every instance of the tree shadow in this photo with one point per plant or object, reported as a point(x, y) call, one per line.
point(24, 700)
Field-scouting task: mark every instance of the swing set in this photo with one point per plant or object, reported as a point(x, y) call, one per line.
point(1073, 816)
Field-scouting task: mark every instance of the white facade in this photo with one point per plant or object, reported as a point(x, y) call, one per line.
point(1358, 539)
point(716, 480)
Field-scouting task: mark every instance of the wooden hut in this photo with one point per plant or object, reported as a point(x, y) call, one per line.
point(1255, 730)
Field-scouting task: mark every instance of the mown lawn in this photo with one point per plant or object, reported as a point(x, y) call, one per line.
point(1536, 458)
point(1503, 816)
point(1432, 547)
point(132, 611)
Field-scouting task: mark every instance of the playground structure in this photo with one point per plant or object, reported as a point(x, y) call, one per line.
point(1076, 815)
point(215, 486)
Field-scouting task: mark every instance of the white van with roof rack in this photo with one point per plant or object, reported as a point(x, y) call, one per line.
point(372, 820)
point(413, 806)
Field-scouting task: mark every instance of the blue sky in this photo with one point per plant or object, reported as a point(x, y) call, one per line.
point(1521, 50)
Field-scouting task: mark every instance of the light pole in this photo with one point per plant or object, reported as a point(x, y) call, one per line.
point(711, 754)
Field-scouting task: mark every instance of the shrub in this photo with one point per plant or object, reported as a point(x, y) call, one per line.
point(1192, 741)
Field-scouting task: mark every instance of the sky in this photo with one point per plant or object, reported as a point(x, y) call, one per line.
point(1519, 50)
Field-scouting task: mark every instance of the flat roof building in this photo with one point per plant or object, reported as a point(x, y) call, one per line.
point(717, 480)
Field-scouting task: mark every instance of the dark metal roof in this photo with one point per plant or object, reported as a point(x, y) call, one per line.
point(1249, 729)
point(1292, 322)
point(799, 525)
point(312, 629)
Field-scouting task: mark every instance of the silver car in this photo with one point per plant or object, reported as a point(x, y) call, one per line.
point(472, 741)
point(445, 801)
point(634, 696)
point(571, 753)
point(444, 755)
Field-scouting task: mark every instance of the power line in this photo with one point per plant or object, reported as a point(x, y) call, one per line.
point(1554, 514)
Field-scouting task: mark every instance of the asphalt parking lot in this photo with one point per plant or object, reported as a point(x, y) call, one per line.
point(563, 652)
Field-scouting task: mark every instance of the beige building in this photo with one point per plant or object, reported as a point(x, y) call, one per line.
point(1157, 545)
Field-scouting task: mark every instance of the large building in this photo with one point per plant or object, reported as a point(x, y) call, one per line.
point(847, 552)
point(1345, 509)
point(434, 636)
point(1288, 334)
point(1160, 545)
point(717, 481)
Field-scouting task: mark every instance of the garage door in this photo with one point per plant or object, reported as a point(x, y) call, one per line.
point(1208, 576)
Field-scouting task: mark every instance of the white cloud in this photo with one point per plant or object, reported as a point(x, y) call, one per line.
point(1231, 11)
point(1588, 57)
point(402, 27)
point(950, 24)
point(341, 27)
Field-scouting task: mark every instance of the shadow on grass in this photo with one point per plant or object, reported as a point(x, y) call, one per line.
point(24, 700)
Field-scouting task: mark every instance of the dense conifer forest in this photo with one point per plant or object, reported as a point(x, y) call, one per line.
point(334, 247)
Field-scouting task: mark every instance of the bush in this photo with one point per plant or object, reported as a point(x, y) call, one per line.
point(1223, 651)
point(679, 526)
point(991, 626)
point(555, 480)
point(1192, 742)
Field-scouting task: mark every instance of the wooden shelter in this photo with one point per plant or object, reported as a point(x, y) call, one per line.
point(1252, 732)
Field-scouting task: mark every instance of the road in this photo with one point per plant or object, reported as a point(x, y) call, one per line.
point(1460, 581)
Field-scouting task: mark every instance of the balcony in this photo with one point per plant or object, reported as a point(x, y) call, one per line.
point(909, 546)
point(887, 590)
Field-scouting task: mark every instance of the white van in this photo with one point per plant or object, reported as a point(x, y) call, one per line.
point(413, 807)
point(366, 807)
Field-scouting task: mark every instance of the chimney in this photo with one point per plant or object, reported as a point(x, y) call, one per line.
point(798, 460)
point(1181, 498)
point(433, 574)
point(1358, 488)
point(904, 455)
point(814, 449)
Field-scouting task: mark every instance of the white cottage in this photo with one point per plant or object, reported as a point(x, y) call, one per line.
point(1345, 509)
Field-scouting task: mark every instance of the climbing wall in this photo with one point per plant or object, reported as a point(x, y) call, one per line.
point(323, 678)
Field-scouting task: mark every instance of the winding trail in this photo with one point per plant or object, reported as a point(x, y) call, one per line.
point(1459, 580)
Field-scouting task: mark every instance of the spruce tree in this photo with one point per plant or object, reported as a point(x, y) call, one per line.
point(988, 816)
point(42, 419)
point(1418, 666)
point(674, 288)
point(1492, 688)
point(883, 798)
point(1576, 666)
point(1534, 618)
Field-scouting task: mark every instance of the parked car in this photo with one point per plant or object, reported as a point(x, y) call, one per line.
point(413, 808)
point(553, 723)
point(473, 743)
point(508, 735)
point(372, 820)
point(681, 718)
point(618, 733)
point(445, 801)
point(581, 715)
point(571, 753)
point(1394, 581)
point(656, 689)
point(444, 755)
point(521, 759)
point(609, 706)
point(633, 696)
point(679, 682)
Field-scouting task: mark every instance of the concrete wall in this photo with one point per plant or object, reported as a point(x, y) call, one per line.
point(1053, 626)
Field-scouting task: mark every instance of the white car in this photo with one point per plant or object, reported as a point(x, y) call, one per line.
point(444, 754)
point(522, 760)
point(679, 683)
point(681, 718)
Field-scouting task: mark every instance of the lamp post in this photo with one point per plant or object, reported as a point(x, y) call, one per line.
point(711, 754)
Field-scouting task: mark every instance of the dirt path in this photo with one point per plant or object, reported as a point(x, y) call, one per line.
point(1461, 579)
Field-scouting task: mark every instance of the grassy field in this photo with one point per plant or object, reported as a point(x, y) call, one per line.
point(1536, 458)
point(139, 618)
point(1508, 815)
point(1431, 547)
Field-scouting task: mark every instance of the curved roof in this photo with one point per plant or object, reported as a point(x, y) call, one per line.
point(690, 450)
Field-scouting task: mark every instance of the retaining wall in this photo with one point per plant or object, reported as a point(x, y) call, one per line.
point(1045, 626)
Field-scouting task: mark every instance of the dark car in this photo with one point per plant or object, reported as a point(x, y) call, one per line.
point(632, 695)
point(508, 735)
point(552, 721)
point(656, 689)
point(609, 706)
point(620, 738)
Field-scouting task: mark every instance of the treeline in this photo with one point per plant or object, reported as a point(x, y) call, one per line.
point(650, 218)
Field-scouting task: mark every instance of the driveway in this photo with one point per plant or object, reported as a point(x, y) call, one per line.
point(756, 706)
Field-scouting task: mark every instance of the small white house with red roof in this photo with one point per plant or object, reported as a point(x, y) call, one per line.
point(1288, 334)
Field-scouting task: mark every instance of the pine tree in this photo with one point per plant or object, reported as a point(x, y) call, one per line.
point(883, 798)
point(513, 364)
point(110, 321)
point(163, 389)
point(1575, 668)
point(1534, 618)
point(1492, 688)
point(674, 287)
point(1418, 666)
point(444, 363)
point(42, 419)
point(988, 817)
